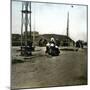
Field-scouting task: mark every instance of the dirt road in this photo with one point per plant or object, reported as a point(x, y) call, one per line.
point(69, 68)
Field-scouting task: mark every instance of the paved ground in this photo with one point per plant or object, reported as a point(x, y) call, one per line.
point(69, 68)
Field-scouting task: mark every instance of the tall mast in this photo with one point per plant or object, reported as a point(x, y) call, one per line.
point(30, 21)
point(22, 27)
point(67, 25)
point(26, 21)
point(34, 29)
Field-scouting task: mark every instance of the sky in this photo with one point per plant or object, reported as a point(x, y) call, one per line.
point(52, 18)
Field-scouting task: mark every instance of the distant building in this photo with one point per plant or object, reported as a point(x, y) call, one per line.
point(62, 40)
point(33, 33)
point(41, 40)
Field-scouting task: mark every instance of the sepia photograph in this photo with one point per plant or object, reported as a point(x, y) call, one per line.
point(49, 44)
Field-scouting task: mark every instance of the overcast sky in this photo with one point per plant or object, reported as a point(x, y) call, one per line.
point(52, 19)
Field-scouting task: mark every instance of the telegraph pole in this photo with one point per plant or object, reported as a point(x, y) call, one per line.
point(34, 29)
point(67, 30)
point(68, 24)
point(26, 22)
point(22, 28)
point(30, 20)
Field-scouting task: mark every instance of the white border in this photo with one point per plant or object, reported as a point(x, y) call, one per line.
point(5, 44)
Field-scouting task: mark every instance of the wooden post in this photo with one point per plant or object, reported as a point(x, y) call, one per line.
point(26, 23)
point(30, 22)
point(22, 28)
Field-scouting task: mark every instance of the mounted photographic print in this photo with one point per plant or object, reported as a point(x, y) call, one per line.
point(48, 44)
